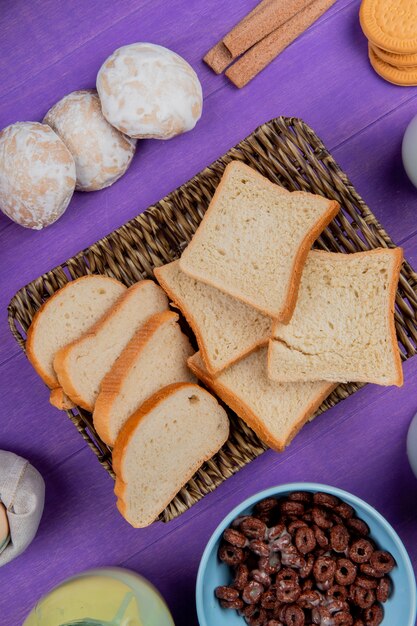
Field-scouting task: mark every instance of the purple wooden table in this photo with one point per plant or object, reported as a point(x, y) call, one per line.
point(49, 48)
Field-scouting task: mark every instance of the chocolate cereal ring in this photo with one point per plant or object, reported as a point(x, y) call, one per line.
point(345, 573)
point(266, 505)
point(382, 561)
point(307, 567)
point(292, 508)
point(344, 618)
point(383, 590)
point(305, 539)
point(344, 510)
point(258, 619)
point(231, 555)
point(241, 577)
point(269, 599)
point(276, 531)
point(324, 569)
point(300, 496)
point(339, 538)
point(358, 526)
point(338, 592)
point(368, 570)
point(326, 500)
point(321, 537)
point(252, 592)
point(364, 598)
point(258, 547)
point(309, 599)
point(261, 577)
point(294, 616)
point(233, 604)
point(361, 551)
point(270, 564)
point(234, 537)
point(374, 615)
point(227, 593)
point(321, 518)
point(253, 528)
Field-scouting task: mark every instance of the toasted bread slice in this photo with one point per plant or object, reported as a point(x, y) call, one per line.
point(254, 239)
point(82, 365)
point(226, 329)
point(276, 412)
point(67, 315)
point(155, 357)
point(343, 326)
point(162, 446)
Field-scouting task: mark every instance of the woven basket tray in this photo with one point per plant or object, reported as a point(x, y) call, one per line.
point(289, 153)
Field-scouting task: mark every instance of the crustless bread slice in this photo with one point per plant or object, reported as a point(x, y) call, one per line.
point(155, 357)
point(226, 329)
point(254, 239)
point(67, 315)
point(82, 365)
point(162, 446)
point(343, 326)
point(276, 412)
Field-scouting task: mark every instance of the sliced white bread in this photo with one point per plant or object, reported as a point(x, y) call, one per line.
point(276, 412)
point(254, 239)
point(226, 329)
point(67, 315)
point(162, 446)
point(343, 326)
point(82, 365)
point(155, 357)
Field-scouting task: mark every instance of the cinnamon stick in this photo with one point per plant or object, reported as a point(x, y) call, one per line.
point(263, 52)
point(260, 22)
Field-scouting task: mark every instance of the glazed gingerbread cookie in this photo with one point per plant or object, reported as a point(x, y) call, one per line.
point(102, 154)
point(37, 174)
point(148, 91)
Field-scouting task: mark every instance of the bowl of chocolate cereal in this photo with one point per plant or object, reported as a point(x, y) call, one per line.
point(305, 553)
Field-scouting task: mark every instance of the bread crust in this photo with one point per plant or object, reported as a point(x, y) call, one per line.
point(60, 361)
point(52, 384)
point(179, 302)
point(114, 379)
point(247, 414)
point(128, 431)
point(60, 400)
point(398, 255)
point(284, 315)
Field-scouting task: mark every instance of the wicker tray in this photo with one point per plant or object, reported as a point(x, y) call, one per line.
point(288, 152)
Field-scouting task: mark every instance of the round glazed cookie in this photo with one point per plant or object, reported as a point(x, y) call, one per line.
point(101, 153)
point(149, 91)
point(37, 174)
point(405, 76)
point(398, 60)
point(390, 24)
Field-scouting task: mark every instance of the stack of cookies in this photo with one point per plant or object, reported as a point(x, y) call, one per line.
point(391, 28)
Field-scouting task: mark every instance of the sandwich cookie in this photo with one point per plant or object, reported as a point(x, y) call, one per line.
point(404, 76)
point(390, 24)
point(397, 60)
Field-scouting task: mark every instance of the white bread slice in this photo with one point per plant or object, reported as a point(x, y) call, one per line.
point(276, 412)
point(68, 314)
point(343, 325)
point(162, 446)
point(82, 365)
point(254, 239)
point(226, 329)
point(155, 357)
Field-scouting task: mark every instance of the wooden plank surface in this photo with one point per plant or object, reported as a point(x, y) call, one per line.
point(49, 48)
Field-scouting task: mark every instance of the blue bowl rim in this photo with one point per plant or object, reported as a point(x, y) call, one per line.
point(266, 493)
